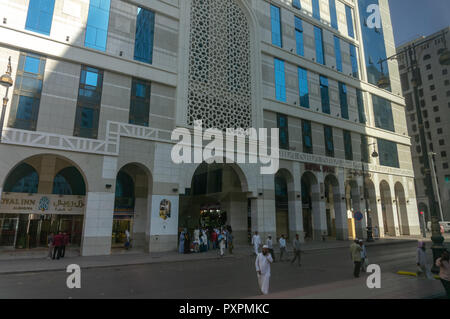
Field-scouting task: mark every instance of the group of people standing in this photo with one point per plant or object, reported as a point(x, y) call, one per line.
point(358, 255)
point(57, 245)
point(205, 239)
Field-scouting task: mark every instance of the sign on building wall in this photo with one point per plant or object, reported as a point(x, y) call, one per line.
point(20, 203)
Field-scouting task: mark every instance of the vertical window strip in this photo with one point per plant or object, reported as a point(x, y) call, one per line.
point(361, 109)
point(333, 14)
point(337, 52)
point(318, 36)
point(307, 137)
point(388, 152)
point(382, 110)
point(329, 144)
point(282, 123)
point(348, 146)
point(343, 100)
point(140, 102)
point(145, 32)
point(27, 92)
point(275, 18)
point(40, 16)
point(280, 80)
point(350, 28)
point(303, 87)
point(324, 95)
point(354, 61)
point(299, 36)
point(316, 9)
point(97, 24)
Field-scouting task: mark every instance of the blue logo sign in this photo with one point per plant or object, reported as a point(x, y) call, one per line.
point(359, 216)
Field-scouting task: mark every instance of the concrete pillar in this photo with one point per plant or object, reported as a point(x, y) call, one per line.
point(236, 208)
point(395, 212)
point(360, 205)
point(412, 211)
point(263, 209)
point(46, 174)
point(340, 209)
point(379, 215)
point(295, 205)
point(319, 208)
point(98, 220)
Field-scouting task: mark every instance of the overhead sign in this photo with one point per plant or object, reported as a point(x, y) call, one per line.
point(20, 203)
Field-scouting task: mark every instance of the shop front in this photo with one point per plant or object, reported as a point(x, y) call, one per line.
point(26, 220)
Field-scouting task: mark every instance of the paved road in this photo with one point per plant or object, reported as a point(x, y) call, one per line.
point(225, 278)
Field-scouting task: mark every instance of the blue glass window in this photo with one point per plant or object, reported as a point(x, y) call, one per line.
point(280, 80)
point(343, 100)
point(382, 110)
point(97, 24)
point(350, 28)
point(324, 94)
point(320, 54)
point(275, 19)
point(388, 153)
point(40, 16)
point(23, 179)
point(348, 146)
point(303, 87)
point(145, 33)
point(316, 9)
point(374, 45)
point(282, 124)
point(299, 36)
point(69, 182)
point(296, 4)
point(307, 137)
point(354, 61)
point(361, 108)
point(337, 53)
point(27, 92)
point(329, 144)
point(333, 14)
point(89, 102)
point(140, 102)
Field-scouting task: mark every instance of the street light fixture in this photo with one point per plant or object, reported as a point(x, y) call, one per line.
point(6, 81)
point(369, 219)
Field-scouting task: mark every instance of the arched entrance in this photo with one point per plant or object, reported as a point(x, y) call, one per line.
point(402, 212)
point(216, 199)
point(43, 194)
point(133, 189)
point(387, 211)
point(310, 197)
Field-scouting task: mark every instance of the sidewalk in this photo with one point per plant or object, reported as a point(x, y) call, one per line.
point(125, 258)
point(392, 287)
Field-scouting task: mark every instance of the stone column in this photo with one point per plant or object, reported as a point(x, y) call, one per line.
point(395, 213)
point(413, 222)
point(379, 216)
point(295, 205)
point(360, 205)
point(340, 209)
point(319, 208)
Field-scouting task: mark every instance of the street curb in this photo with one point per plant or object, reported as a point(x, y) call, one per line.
point(178, 261)
point(109, 266)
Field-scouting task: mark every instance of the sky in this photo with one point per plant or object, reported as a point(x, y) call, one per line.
point(414, 18)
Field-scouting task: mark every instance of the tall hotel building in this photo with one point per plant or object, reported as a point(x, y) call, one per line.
point(99, 86)
point(434, 100)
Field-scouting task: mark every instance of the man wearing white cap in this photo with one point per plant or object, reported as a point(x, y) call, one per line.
point(262, 264)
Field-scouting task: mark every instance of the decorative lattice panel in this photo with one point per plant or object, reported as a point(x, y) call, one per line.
point(219, 90)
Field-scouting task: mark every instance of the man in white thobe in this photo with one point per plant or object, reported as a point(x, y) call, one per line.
point(262, 264)
point(256, 242)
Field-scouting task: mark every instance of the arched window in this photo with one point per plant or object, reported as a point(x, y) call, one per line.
point(69, 182)
point(23, 179)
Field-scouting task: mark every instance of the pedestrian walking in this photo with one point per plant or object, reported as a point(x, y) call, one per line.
point(181, 242)
point(50, 241)
point(282, 242)
point(222, 240)
point(57, 242)
point(262, 264)
point(256, 242)
point(444, 274)
point(230, 242)
point(269, 244)
point(127, 239)
point(376, 232)
point(65, 242)
point(214, 238)
point(355, 253)
point(364, 260)
point(296, 244)
point(421, 260)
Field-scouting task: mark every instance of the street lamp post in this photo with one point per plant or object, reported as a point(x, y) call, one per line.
point(366, 195)
point(444, 59)
point(6, 81)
